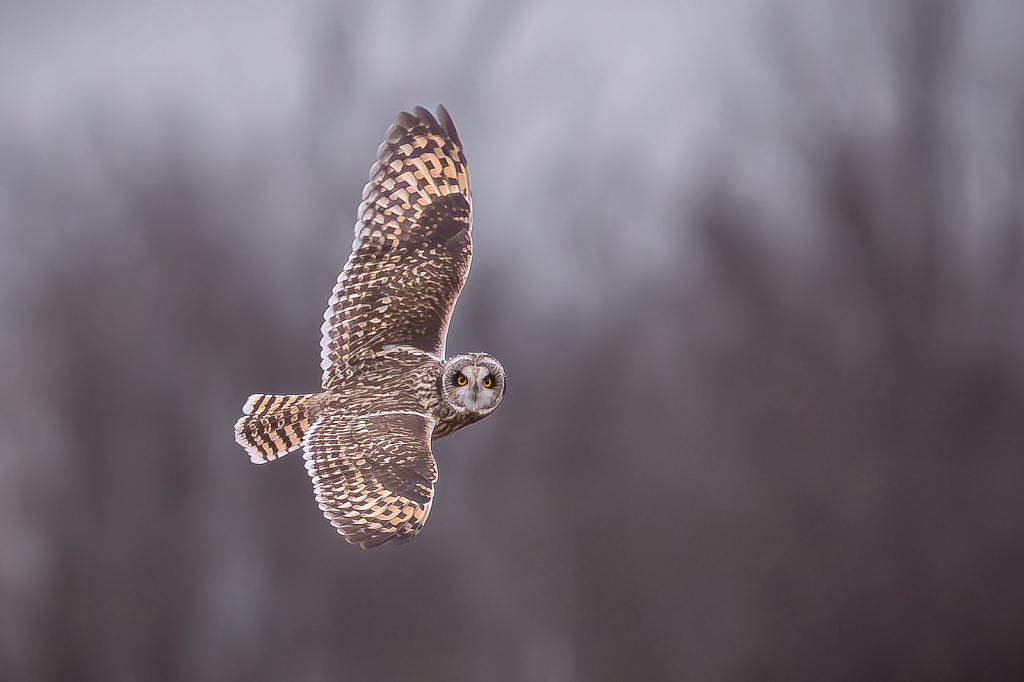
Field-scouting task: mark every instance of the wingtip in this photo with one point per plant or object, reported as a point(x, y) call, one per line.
point(424, 115)
point(446, 123)
point(441, 124)
point(404, 121)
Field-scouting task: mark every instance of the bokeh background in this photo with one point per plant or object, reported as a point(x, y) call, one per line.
point(755, 269)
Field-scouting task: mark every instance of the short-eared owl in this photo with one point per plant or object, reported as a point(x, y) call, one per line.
point(388, 389)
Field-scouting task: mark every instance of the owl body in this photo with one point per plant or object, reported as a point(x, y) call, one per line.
point(401, 378)
point(388, 389)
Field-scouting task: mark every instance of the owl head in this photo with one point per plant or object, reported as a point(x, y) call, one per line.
point(473, 382)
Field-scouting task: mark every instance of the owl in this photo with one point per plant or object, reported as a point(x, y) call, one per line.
point(388, 390)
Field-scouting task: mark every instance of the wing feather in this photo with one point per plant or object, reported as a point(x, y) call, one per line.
point(412, 247)
point(373, 476)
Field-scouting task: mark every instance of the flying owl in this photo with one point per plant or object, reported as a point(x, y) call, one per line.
point(388, 389)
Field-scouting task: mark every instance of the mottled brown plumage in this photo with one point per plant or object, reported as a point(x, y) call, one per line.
point(388, 391)
point(412, 248)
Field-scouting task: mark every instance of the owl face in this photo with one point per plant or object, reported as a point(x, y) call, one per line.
point(473, 382)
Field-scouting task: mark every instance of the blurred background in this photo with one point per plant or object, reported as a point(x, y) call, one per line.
point(755, 269)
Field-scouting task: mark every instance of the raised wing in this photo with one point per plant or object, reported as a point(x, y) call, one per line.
point(373, 475)
point(412, 249)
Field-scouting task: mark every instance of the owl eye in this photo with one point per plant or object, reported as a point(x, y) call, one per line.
point(461, 380)
point(488, 381)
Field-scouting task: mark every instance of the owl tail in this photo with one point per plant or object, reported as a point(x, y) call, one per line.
point(273, 425)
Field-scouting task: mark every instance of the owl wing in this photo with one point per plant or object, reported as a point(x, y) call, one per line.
point(373, 475)
point(412, 249)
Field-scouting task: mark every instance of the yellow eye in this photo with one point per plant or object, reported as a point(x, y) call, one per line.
point(488, 381)
point(461, 380)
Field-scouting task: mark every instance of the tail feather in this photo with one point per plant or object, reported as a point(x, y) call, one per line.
point(273, 425)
